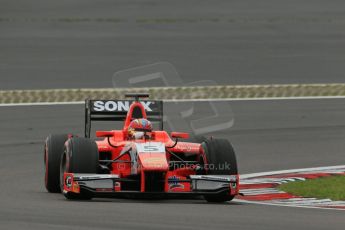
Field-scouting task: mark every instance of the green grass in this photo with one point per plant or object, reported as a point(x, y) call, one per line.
point(332, 187)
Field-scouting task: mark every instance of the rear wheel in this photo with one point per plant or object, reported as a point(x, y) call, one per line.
point(221, 160)
point(80, 156)
point(53, 149)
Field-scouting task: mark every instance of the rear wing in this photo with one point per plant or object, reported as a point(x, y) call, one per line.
point(116, 110)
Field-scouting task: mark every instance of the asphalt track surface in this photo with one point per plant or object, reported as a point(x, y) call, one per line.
point(81, 43)
point(43, 45)
point(267, 135)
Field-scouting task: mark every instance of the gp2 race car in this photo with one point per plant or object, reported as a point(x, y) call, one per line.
point(117, 164)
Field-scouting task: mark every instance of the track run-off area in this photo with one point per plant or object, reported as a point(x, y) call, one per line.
point(268, 135)
point(261, 188)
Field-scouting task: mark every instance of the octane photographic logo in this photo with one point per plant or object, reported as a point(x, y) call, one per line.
point(178, 116)
point(220, 166)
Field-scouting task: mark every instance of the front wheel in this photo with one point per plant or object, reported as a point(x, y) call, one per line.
point(80, 156)
point(221, 160)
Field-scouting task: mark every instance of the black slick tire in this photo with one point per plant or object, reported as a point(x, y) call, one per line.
point(80, 156)
point(221, 160)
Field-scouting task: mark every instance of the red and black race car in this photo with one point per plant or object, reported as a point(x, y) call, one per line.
point(138, 160)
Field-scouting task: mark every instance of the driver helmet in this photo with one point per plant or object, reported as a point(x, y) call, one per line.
point(139, 127)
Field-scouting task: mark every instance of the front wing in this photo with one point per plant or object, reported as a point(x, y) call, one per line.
point(109, 185)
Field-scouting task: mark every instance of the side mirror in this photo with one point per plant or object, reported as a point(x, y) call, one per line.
point(104, 133)
point(180, 135)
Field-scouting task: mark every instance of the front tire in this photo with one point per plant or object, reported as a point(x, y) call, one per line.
point(221, 160)
point(80, 156)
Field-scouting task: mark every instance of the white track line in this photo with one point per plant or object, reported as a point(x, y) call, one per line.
point(187, 100)
point(260, 98)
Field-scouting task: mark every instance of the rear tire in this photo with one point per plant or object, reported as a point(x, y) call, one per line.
point(53, 149)
point(221, 160)
point(83, 160)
